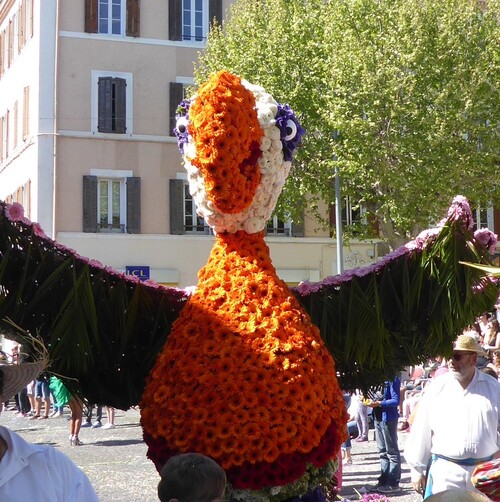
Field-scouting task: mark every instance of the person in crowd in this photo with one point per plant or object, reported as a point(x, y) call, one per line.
point(490, 371)
point(496, 362)
point(110, 416)
point(482, 323)
point(347, 445)
point(456, 425)
point(414, 383)
point(190, 477)
point(88, 416)
point(492, 338)
point(42, 392)
point(23, 404)
point(32, 471)
point(57, 408)
point(385, 414)
point(409, 406)
point(361, 418)
point(63, 396)
point(30, 392)
point(14, 358)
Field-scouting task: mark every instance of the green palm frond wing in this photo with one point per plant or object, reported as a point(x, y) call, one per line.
point(405, 308)
point(101, 327)
point(105, 329)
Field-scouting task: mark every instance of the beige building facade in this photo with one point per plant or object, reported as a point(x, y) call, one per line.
point(88, 92)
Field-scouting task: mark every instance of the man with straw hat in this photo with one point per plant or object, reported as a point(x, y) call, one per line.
point(455, 427)
point(35, 472)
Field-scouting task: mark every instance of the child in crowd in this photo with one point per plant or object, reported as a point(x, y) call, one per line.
point(191, 477)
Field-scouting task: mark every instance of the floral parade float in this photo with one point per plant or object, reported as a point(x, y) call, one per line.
point(244, 377)
point(236, 369)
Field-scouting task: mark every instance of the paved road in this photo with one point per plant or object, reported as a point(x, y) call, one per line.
point(115, 459)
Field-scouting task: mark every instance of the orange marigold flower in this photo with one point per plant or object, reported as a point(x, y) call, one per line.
point(251, 430)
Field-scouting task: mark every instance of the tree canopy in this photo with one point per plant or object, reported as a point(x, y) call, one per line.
point(401, 95)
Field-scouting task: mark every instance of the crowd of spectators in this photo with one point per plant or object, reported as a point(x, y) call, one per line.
point(414, 379)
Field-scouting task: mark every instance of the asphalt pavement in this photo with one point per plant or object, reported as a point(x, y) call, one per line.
point(116, 464)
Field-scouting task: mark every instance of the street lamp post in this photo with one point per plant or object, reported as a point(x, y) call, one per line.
point(338, 212)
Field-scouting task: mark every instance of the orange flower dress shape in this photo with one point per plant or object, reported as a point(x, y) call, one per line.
point(244, 376)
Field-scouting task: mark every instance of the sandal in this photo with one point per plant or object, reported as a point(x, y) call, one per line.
point(33, 417)
point(42, 417)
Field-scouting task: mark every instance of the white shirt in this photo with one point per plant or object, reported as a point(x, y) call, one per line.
point(40, 473)
point(455, 422)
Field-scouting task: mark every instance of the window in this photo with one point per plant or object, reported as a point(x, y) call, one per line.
point(112, 105)
point(112, 17)
point(2, 122)
point(21, 32)
point(351, 212)
point(110, 206)
point(275, 226)
point(483, 217)
point(112, 102)
point(15, 125)
point(194, 20)
point(192, 222)
point(183, 217)
point(111, 202)
point(7, 133)
point(189, 20)
point(26, 112)
point(10, 42)
point(2, 52)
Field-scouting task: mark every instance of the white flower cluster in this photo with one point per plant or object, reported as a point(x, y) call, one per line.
point(274, 171)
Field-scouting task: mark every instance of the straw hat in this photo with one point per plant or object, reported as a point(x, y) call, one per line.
point(17, 376)
point(456, 495)
point(465, 343)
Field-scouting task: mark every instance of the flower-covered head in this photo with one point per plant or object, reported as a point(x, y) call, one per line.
point(237, 152)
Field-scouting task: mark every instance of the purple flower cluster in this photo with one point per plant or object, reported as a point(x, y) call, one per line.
point(486, 238)
point(290, 129)
point(374, 497)
point(460, 211)
point(181, 125)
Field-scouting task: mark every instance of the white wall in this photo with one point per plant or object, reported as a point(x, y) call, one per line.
point(181, 257)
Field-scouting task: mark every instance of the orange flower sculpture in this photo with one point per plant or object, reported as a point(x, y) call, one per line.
point(244, 376)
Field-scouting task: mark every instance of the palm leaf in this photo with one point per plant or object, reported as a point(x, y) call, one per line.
point(491, 271)
point(405, 309)
point(102, 329)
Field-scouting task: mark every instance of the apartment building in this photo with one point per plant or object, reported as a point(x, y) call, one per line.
point(88, 92)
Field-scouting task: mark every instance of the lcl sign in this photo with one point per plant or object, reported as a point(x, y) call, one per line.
point(139, 271)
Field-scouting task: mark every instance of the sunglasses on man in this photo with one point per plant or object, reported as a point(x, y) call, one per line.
point(458, 355)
